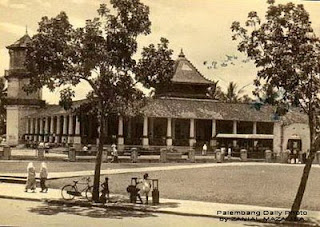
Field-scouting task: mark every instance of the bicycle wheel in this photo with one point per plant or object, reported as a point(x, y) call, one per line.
point(89, 193)
point(68, 192)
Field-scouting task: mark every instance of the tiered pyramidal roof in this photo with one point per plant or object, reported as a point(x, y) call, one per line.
point(186, 73)
point(186, 82)
point(21, 43)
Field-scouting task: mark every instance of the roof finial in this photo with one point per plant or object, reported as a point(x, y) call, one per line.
point(181, 55)
point(26, 29)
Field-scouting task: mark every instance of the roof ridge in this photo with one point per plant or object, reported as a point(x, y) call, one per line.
point(210, 100)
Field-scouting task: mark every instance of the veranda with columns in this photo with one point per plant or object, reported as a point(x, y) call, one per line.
point(56, 129)
point(153, 128)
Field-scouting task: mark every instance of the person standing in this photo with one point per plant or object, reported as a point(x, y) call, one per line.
point(114, 153)
point(295, 155)
point(204, 149)
point(223, 150)
point(31, 178)
point(105, 191)
point(229, 152)
point(145, 187)
point(43, 177)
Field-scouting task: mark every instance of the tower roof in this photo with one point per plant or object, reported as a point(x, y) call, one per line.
point(186, 73)
point(21, 43)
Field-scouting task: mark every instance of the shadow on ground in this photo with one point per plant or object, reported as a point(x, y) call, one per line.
point(304, 222)
point(93, 212)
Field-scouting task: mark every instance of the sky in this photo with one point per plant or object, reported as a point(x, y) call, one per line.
point(200, 27)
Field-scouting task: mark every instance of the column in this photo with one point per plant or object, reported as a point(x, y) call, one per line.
point(41, 130)
point(173, 128)
point(120, 131)
point(192, 139)
point(77, 136)
point(31, 129)
point(151, 128)
point(234, 131)
point(278, 138)
point(89, 119)
point(169, 132)
point(213, 141)
point(65, 129)
point(51, 137)
point(145, 139)
point(58, 130)
point(129, 130)
point(36, 130)
point(27, 130)
point(46, 130)
point(254, 131)
point(70, 134)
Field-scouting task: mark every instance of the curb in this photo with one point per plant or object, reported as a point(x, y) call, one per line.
point(126, 206)
point(21, 198)
point(152, 209)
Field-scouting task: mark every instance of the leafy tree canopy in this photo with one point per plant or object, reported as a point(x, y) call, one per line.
point(99, 53)
point(155, 69)
point(286, 52)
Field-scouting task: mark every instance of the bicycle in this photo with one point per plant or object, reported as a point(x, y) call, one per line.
point(69, 191)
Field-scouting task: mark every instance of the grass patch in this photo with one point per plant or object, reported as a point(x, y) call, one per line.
point(271, 186)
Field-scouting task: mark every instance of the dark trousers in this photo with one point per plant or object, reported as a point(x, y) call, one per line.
point(43, 183)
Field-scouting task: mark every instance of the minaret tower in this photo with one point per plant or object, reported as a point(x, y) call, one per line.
point(19, 104)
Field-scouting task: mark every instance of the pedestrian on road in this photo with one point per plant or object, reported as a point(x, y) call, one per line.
point(43, 177)
point(31, 179)
point(145, 187)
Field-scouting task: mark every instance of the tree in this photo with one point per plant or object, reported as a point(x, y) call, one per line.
point(267, 94)
point(232, 94)
point(246, 99)
point(99, 53)
point(215, 92)
point(155, 68)
point(286, 51)
point(3, 94)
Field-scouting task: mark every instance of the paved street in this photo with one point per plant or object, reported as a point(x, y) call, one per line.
point(26, 213)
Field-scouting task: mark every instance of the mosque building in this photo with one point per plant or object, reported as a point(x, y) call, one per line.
point(179, 116)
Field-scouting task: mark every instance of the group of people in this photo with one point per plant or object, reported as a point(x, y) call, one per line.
point(141, 187)
point(223, 149)
point(295, 156)
point(31, 178)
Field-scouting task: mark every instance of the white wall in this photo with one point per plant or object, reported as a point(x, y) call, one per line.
point(295, 130)
point(12, 125)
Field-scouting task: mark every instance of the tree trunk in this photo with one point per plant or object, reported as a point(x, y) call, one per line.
point(96, 183)
point(306, 170)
